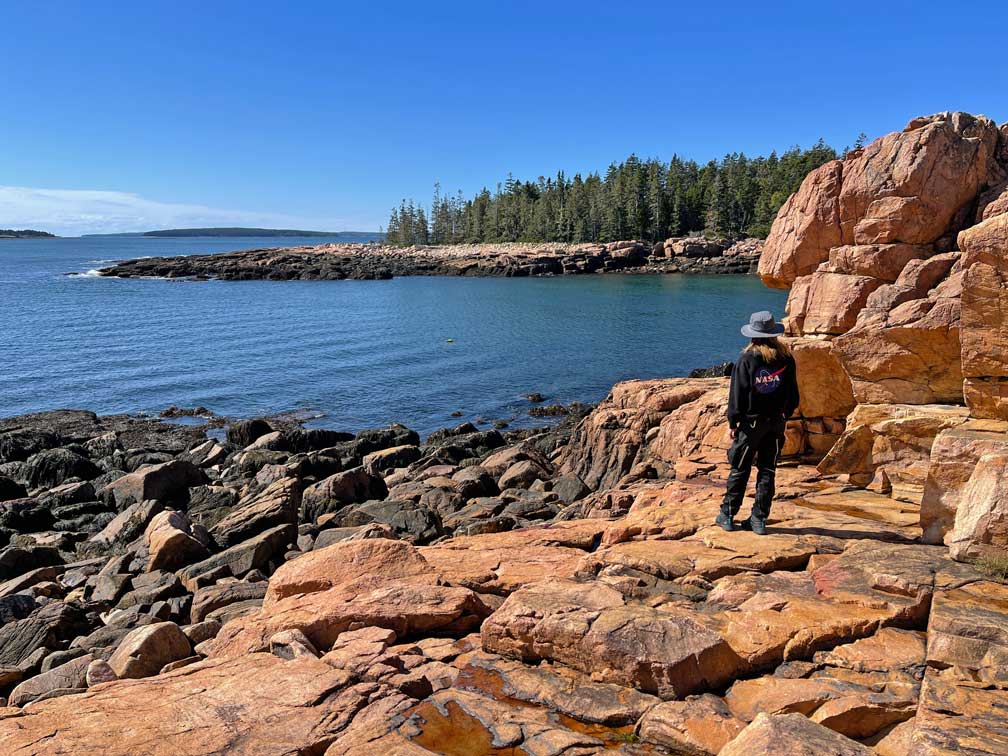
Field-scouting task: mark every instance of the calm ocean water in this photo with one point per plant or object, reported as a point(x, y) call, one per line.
point(356, 353)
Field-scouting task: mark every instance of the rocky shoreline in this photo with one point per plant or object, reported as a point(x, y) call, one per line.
point(332, 262)
point(563, 592)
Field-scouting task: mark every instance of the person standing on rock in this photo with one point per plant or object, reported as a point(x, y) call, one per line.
point(764, 394)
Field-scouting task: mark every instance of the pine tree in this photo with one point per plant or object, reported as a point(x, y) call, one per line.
point(648, 200)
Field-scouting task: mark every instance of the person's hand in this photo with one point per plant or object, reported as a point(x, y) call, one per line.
point(733, 433)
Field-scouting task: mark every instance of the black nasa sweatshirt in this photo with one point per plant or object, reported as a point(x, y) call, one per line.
point(761, 390)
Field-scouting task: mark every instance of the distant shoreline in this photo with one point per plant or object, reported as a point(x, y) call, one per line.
point(238, 232)
point(25, 233)
point(333, 262)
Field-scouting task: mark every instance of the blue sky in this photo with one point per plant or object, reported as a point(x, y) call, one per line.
point(127, 116)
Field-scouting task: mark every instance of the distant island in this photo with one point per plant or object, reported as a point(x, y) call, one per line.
point(236, 231)
point(24, 233)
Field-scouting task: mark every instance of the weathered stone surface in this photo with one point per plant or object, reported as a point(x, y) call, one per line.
point(954, 456)
point(277, 505)
point(500, 563)
point(172, 542)
point(697, 428)
point(858, 706)
point(69, 676)
point(710, 553)
point(897, 439)
point(292, 644)
point(897, 741)
point(147, 649)
point(957, 716)
point(791, 735)
point(256, 705)
point(50, 468)
point(823, 385)
point(14, 560)
point(828, 303)
point(910, 354)
point(908, 186)
point(789, 616)
point(413, 522)
point(149, 588)
point(168, 482)
point(388, 459)
point(243, 432)
point(451, 719)
point(981, 521)
point(985, 317)
point(98, 671)
point(408, 609)
point(571, 693)
point(213, 597)
point(351, 585)
point(882, 261)
point(888, 650)
point(49, 626)
point(968, 632)
point(806, 228)
point(253, 554)
point(697, 726)
point(606, 444)
point(339, 490)
point(365, 563)
point(522, 474)
point(590, 627)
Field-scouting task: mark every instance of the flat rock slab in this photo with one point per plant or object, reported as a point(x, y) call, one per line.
point(959, 716)
point(500, 562)
point(456, 721)
point(748, 623)
point(791, 735)
point(255, 705)
point(353, 584)
point(562, 689)
point(710, 553)
point(590, 627)
point(968, 630)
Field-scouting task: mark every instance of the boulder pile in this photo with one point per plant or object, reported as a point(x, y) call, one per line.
point(563, 592)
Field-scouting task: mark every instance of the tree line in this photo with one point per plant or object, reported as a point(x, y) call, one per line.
point(733, 197)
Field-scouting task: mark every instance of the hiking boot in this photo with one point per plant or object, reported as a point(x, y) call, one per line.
point(756, 525)
point(726, 522)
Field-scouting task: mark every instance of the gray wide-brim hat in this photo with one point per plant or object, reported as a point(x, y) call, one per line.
point(762, 326)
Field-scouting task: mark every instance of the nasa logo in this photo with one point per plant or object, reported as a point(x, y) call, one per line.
point(765, 381)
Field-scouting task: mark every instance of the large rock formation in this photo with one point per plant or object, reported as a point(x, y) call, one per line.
point(898, 255)
point(868, 247)
point(985, 316)
point(918, 186)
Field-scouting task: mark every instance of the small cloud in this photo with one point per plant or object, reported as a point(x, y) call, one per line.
point(72, 212)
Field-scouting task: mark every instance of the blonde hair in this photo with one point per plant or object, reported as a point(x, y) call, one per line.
point(770, 349)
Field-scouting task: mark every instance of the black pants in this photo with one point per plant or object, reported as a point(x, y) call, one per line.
point(761, 441)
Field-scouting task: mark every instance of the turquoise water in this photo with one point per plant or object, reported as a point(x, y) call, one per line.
point(353, 354)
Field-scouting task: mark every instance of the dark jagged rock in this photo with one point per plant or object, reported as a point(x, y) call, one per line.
point(339, 490)
point(15, 561)
point(47, 627)
point(409, 521)
point(244, 432)
point(278, 504)
point(52, 467)
point(714, 371)
point(167, 482)
point(10, 489)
